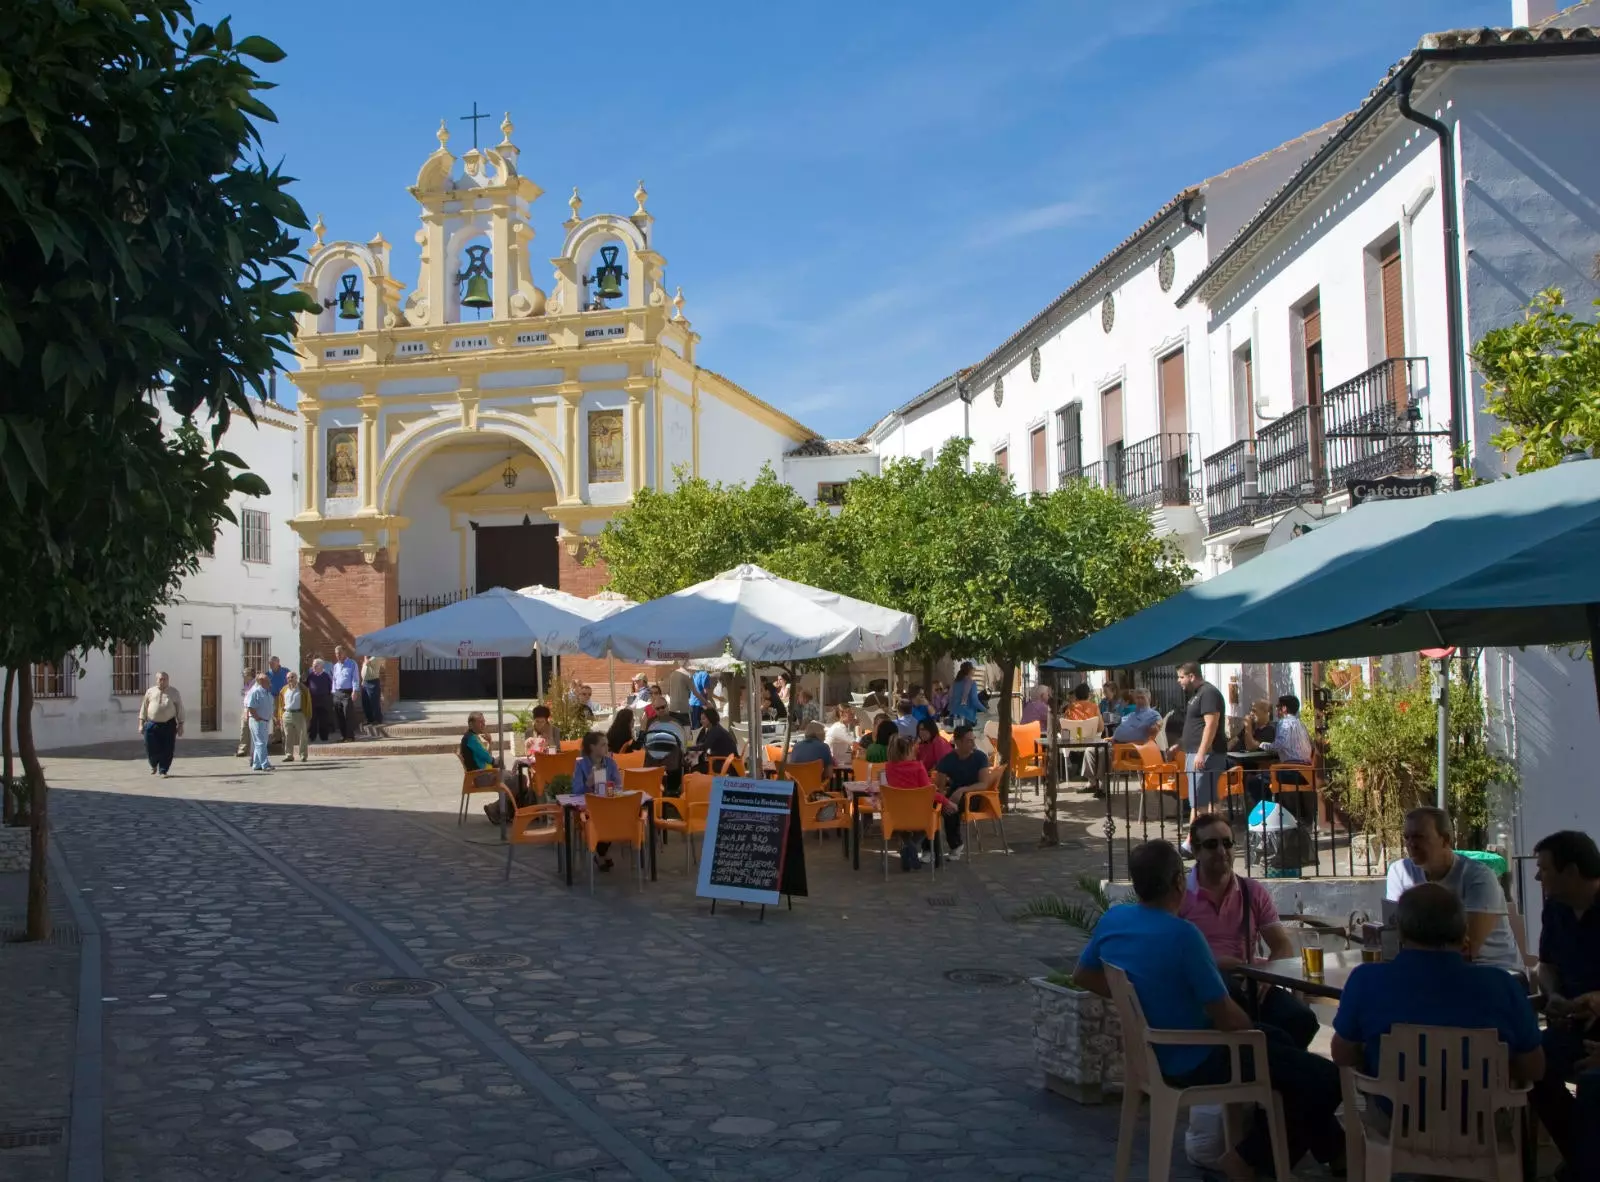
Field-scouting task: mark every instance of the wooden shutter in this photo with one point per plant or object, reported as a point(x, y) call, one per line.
point(1111, 415)
point(1174, 416)
point(1394, 317)
point(1312, 315)
point(1002, 460)
point(1038, 458)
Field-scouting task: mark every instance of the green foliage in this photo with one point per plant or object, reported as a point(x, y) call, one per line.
point(1542, 380)
point(571, 722)
point(1383, 755)
point(556, 786)
point(1082, 916)
point(666, 541)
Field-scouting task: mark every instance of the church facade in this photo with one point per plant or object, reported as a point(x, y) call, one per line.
point(479, 429)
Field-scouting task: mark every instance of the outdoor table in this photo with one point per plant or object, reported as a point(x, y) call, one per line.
point(855, 790)
point(572, 803)
point(1289, 974)
point(1250, 756)
point(1067, 748)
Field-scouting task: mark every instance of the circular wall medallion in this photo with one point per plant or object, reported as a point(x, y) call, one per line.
point(999, 391)
point(1033, 365)
point(1166, 267)
point(1108, 312)
point(487, 960)
point(394, 987)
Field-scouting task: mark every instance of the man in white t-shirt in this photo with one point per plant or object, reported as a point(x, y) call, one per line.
point(841, 734)
point(1430, 858)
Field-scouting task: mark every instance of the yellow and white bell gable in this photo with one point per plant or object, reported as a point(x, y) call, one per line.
point(479, 398)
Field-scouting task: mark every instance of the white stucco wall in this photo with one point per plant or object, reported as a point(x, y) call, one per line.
point(677, 437)
point(923, 429)
point(804, 473)
point(733, 446)
point(228, 598)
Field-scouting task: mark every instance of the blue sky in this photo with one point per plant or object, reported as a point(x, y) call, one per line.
point(857, 198)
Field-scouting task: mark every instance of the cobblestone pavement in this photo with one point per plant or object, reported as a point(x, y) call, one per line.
point(628, 1035)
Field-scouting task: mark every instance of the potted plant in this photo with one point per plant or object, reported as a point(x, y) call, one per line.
point(1077, 1037)
point(16, 836)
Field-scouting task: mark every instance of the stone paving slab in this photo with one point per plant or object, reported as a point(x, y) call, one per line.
point(642, 1038)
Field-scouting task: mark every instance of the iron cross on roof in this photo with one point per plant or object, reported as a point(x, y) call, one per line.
point(473, 119)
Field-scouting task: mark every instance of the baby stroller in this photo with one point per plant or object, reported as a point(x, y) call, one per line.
point(664, 749)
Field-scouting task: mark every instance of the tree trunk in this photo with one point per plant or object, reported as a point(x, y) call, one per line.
point(1002, 738)
point(1050, 834)
point(6, 802)
point(927, 674)
point(38, 852)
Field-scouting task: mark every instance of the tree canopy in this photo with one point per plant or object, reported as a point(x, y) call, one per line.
point(1542, 380)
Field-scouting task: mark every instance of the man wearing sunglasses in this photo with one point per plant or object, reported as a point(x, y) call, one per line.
point(1236, 915)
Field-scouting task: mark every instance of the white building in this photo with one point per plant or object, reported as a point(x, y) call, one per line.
point(239, 609)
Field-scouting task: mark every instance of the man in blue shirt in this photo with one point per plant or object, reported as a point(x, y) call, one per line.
point(1141, 725)
point(1175, 976)
point(699, 697)
point(346, 691)
point(1430, 983)
point(1569, 975)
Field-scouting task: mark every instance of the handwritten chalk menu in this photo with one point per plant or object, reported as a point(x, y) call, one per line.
point(753, 850)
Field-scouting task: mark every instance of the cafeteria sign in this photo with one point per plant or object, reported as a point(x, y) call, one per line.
point(753, 851)
point(1392, 488)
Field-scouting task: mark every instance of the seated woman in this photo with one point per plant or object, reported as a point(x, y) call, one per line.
point(876, 749)
point(542, 733)
point(931, 745)
point(595, 771)
point(904, 770)
point(620, 736)
point(714, 741)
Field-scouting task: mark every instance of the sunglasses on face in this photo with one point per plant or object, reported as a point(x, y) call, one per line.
point(1212, 843)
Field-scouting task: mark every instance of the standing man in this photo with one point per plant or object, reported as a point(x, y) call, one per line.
point(1430, 857)
point(278, 676)
point(346, 685)
point(319, 686)
point(372, 690)
point(244, 714)
point(680, 687)
point(160, 722)
point(1235, 914)
point(258, 706)
point(1205, 739)
point(1569, 974)
point(292, 703)
point(699, 697)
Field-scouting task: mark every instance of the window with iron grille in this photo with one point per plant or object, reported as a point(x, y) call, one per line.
point(1069, 442)
point(130, 670)
point(832, 492)
point(255, 529)
point(56, 679)
point(255, 650)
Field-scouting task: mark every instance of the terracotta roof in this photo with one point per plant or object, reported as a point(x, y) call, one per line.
point(830, 447)
point(1544, 32)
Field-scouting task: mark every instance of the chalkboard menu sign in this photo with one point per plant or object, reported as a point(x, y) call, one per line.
point(753, 851)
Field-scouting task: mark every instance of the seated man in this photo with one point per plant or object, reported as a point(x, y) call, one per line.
point(1427, 836)
point(961, 769)
point(475, 756)
point(812, 747)
point(1176, 978)
point(1037, 708)
point(1429, 983)
point(1569, 975)
point(1141, 725)
point(1235, 914)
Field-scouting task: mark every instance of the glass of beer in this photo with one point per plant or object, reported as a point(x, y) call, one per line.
point(1311, 954)
point(1371, 955)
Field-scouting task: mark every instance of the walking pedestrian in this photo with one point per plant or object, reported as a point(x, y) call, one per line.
point(292, 703)
point(244, 715)
point(319, 684)
point(346, 685)
point(258, 705)
point(372, 691)
point(160, 722)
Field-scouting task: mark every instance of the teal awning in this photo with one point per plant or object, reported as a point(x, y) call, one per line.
point(1515, 562)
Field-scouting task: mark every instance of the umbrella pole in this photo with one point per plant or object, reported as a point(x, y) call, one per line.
point(1592, 613)
point(611, 681)
point(753, 721)
point(538, 671)
point(500, 706)
point(1442, 690)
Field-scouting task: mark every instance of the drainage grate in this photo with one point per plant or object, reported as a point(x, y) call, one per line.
point(941, 900)
point(27, 1138)
point(980, 978)
point(487, 960)
point(394, 987)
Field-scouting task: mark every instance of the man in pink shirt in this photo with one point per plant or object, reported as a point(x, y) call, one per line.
point(1216, 903)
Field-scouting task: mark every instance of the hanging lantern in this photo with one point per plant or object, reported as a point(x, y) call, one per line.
point(509, 476)
point(608, 276)
point(476, 278)
point(348, 299)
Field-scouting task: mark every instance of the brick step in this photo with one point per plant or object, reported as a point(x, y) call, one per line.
point(423, 729)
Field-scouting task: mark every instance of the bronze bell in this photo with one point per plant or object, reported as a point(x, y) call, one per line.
point(476, 277)
point(608, 276)
point(349, 298)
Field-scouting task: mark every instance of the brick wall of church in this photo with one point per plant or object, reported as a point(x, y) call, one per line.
point(341, 596)
point(578, 579)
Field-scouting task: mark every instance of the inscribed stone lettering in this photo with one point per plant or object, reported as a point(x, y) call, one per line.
point(605, 446)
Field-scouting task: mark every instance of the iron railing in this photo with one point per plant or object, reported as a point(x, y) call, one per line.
point(1369, 423)
point(1094, 474)
point(1286, 466)
point(1159, 471)
point(1228, 474)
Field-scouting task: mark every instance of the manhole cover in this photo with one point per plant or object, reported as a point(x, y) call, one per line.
point(394, 987)
point(941, 900)
point(981, 978)
point(487, 960)
point(15, 1138)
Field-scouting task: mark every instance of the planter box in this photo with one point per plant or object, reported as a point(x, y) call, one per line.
point(14, 846)
point(1077, 1042)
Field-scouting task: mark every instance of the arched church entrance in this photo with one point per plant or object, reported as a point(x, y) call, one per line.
point(474, 507)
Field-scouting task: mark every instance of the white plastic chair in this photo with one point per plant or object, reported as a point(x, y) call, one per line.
point(1141, 1077)
point(1453, 1104)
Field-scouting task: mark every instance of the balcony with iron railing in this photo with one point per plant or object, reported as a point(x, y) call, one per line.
point(1160, 471)
point(1230, 476)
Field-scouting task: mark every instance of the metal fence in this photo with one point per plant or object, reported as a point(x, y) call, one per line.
point(1227, 474)
point(423, 676)
point(1159, 471)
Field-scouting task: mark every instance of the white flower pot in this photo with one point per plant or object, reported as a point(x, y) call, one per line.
point(1077, 1042)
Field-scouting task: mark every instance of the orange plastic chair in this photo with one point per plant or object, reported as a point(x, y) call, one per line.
point(773, 754)
point(628, 759)
point(532, 824)
point(810, 777)
point(1289, 792)
point(1030, 763)
point(726, 765)
point(817, 798)
point(1159, 777)
point(615, 819)
point(908, 810)
point(691, 808)
point(983, 804)
point(864, 772)
point(1125, 757)
point(1028, 734)
point(648, 780)
point(483, 780)
point(550, 764)
point(572, 744)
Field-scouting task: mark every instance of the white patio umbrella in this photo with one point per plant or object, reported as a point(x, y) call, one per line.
point(496, 623)
point(754, 616)
point(614, 602)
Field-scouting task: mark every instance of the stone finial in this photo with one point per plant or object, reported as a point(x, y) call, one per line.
point(443, 134)
point(506, 128)
point(319, 230)
point(575, 203)
point(640, 195)
point(677, 306)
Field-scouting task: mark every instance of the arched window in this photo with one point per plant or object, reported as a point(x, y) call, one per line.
point(606, 283)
